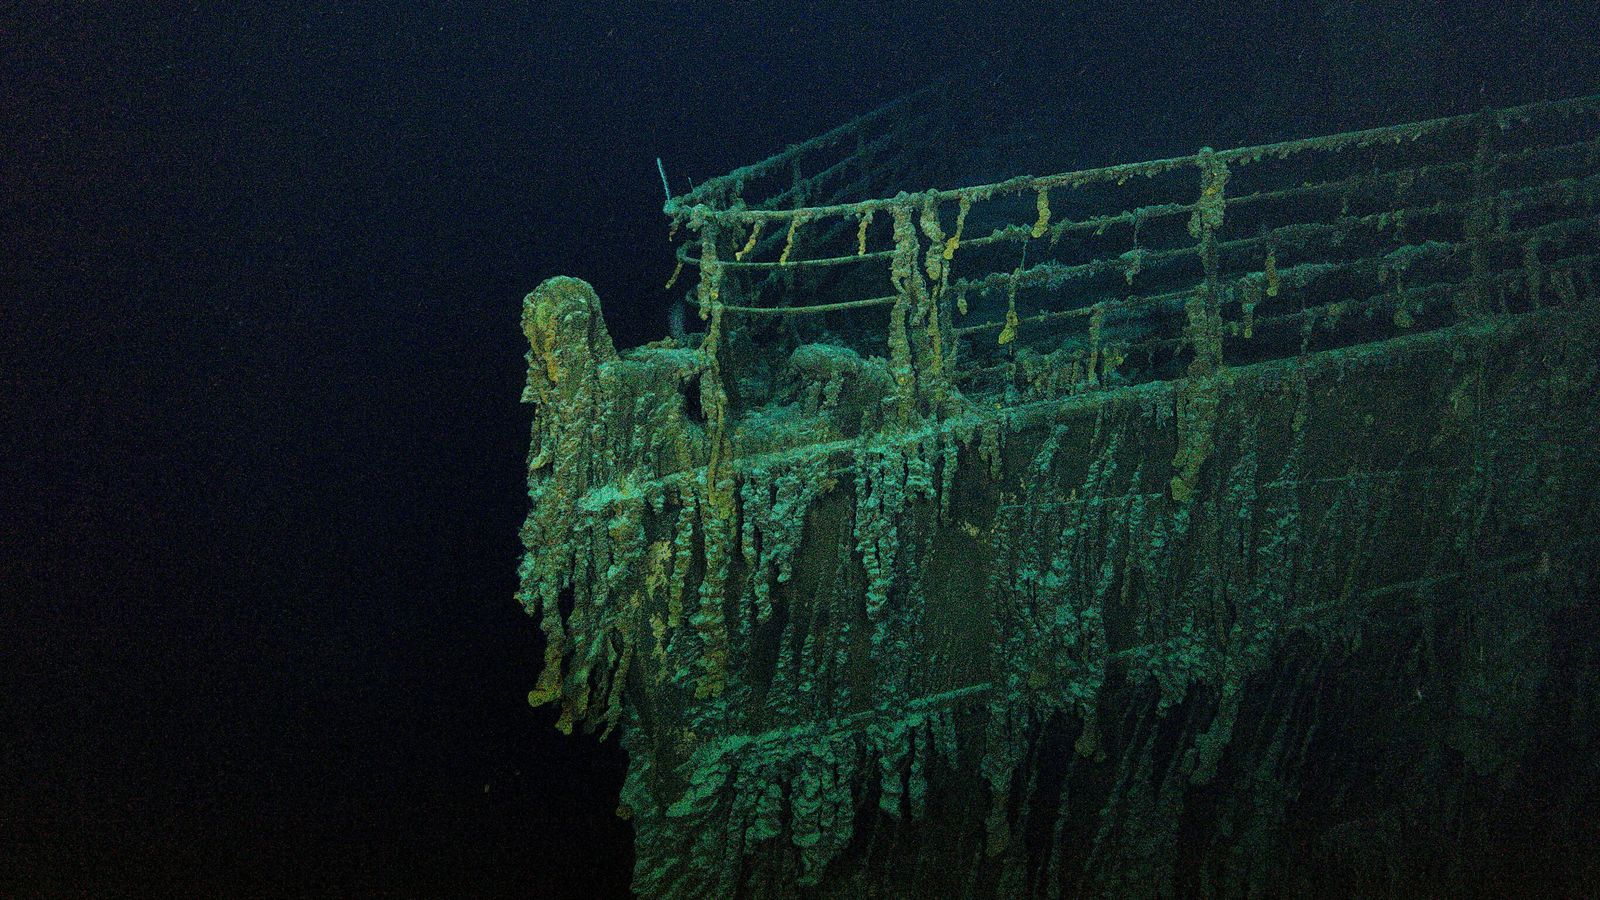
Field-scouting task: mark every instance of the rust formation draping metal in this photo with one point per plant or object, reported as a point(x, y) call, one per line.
point(1200, 526)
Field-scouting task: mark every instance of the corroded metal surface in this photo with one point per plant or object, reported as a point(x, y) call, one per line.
point(1205, 544)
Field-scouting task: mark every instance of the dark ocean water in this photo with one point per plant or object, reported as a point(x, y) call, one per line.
point(260, 441)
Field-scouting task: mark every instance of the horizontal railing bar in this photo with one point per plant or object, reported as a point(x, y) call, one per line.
point(1288, 273)
point(799, 310)
point(685, 256)
point(1347, 307)
point(1023, 232)
point(1124, 171)
point(877, 145)
point(1056, 271)
point(678, 205)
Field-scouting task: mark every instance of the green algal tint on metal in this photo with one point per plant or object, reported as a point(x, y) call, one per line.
point(923, 572)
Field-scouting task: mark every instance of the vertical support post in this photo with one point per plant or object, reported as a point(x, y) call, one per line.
point(906, 278)
point(933, 306)
point(1203, 309)
point(713, 398)
point(1198, 398)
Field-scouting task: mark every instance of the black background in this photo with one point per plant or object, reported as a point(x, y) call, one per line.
point(261, 446)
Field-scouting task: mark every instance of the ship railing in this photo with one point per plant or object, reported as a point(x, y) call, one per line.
point(1039, 285)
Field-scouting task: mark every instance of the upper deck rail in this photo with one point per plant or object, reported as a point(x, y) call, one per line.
point(1150, 269)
